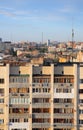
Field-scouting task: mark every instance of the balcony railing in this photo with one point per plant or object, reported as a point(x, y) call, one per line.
point(18, 115)
point(41, 125)
point(41, 85)
point(41, 95)
point(63, 105)
point(63, 125)
point(1, 94)
point(57, 85)
point(19, 94)
point(41, 115)
point(41, 105)
point(63, 115)
point(48, 85)
point(19, 105)
point(19, 85)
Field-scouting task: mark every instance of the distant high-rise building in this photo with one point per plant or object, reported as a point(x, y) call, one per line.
point(0, 40)
point(48, 42)
point(5, 45)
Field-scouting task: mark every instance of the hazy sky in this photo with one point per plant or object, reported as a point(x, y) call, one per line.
point(25, 20)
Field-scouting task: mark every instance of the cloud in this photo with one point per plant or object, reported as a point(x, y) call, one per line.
point(6, 13)
point(12, 12)
point(6, 8)
point(34, 14)
point(66, 10)
point(21, 13)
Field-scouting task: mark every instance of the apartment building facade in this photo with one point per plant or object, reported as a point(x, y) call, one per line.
point(38, 97)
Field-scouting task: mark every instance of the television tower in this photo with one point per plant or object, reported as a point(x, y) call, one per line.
point(72, 39)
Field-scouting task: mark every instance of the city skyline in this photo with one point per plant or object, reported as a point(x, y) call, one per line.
point(26, 20)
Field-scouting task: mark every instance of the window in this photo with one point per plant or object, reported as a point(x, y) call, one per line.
point(25, 80)
point(19, 100)
point(46, 100)
point(1, 110)
point(16, 120)
point(25, 120)
point(66, 90)
point(33, 90)
point(80, 111)
point(61, 100)
point(46, 110)
point(63, 80)
point(1, 92)
point(63, 90)
point(59, 90)
point(1, 81)
point(22, 90)
point(2, 100)
point(63, 120)
point(1, 121)
point(26, 110)
point(80, 121)
point(81, 80)
point(80, 91)
point(36, 89)
point(18, 79)
point(45, 89)
point(81, 101)
point(13, 90)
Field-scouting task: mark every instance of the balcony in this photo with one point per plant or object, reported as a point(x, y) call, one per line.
point(41, 95)
point(63, 105)
point(19, 85)
point(57, 85)
point(48, 85)
point(63, 115)
point(1, 94)
point(41, 115)
point(40, 105)
point(20, 126)
point(63, 125)
point(19, 105)
point(19, 94)
point(41, 125)
point(19, 115)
